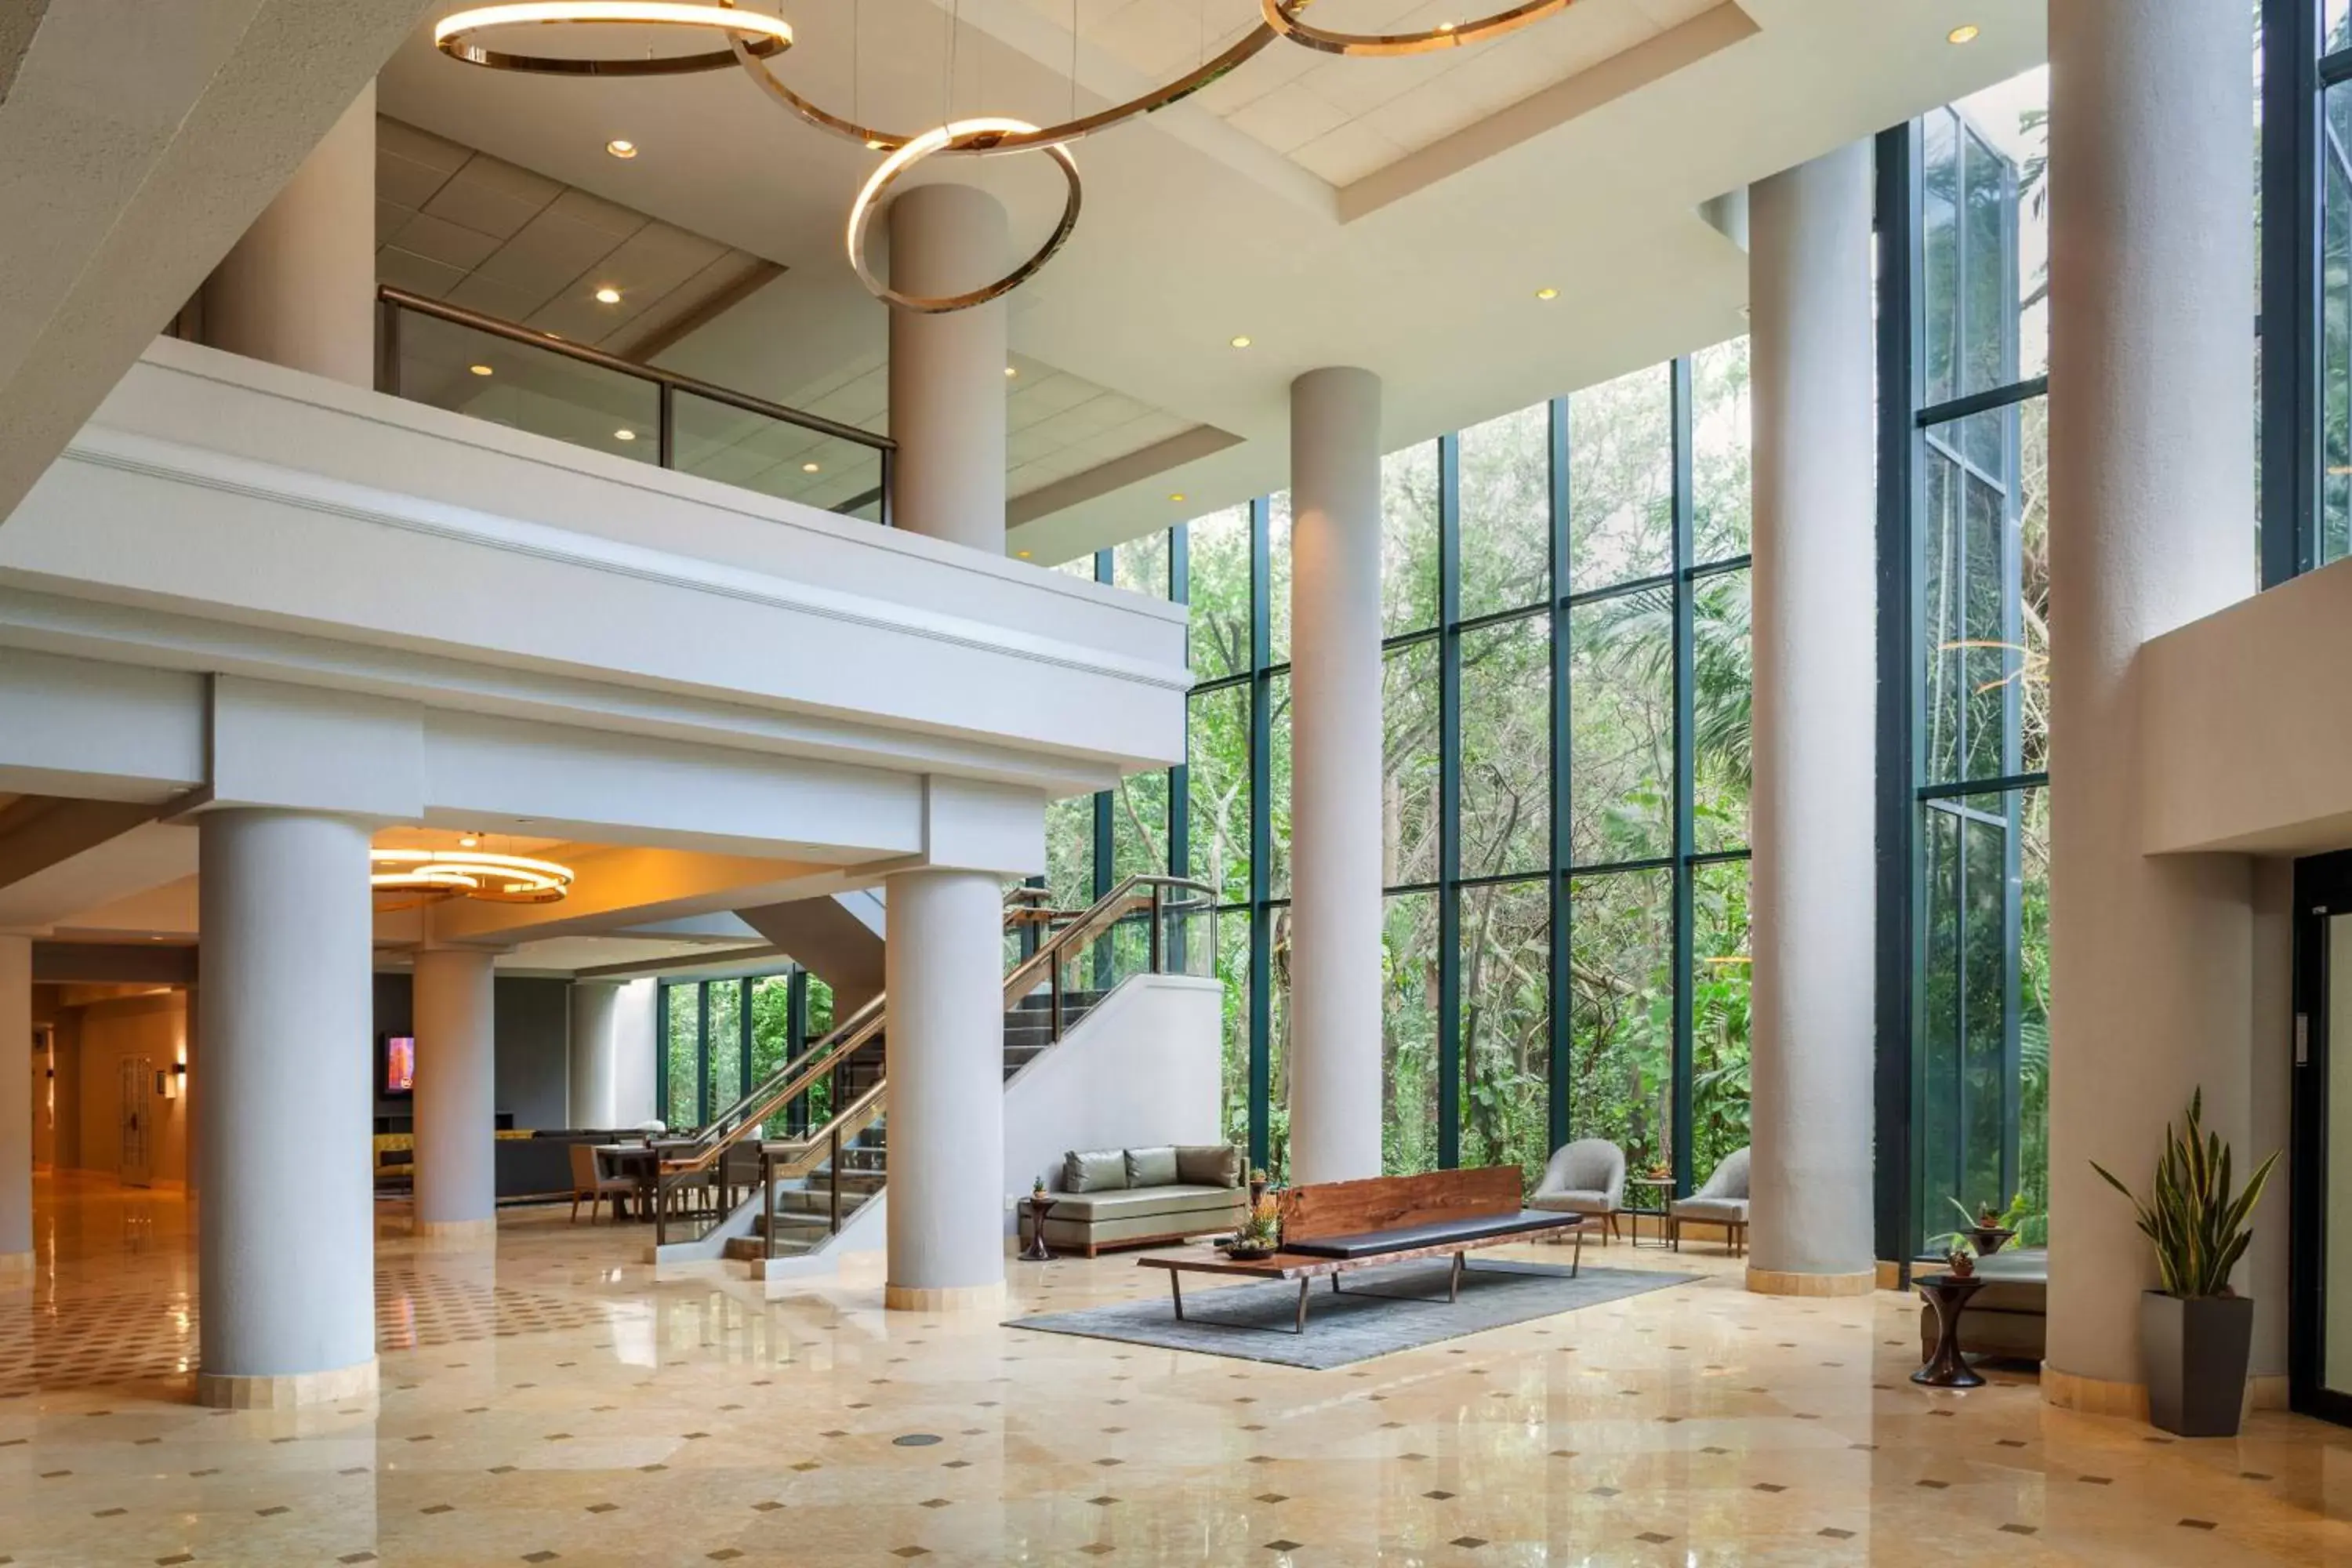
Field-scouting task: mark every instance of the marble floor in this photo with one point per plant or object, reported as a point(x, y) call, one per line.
point(550, 1402)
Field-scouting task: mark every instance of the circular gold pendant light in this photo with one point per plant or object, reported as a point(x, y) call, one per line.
point(760, 36)
point(1284, 19)
point(988, 133)
point(403, 878)
point(1035, 137)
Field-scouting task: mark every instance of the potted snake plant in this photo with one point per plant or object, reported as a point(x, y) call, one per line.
point(2196, 1331)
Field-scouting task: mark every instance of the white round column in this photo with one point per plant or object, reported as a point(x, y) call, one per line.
point(1335, 775)
point(596, 1022)
point(1815, 626)
point(16, 1107)
point(285, 1228)
point(2151, 431)
point(456, 1093)
point(944, 972)
point(298, 290)
point(947, 371)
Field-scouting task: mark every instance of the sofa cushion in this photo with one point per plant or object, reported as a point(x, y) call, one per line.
point(1712, 1211)
point(1094, 1170)
point(1145, 1226)
point(1570, 1201)
point(1132, 1202)
point(1151, 1167)
point(1209, 1165)
point(1404, 1237)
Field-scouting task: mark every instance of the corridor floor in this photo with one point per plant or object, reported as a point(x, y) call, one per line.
point(553, 1402)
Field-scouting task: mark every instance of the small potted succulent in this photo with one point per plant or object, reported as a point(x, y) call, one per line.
point(1261, 1235)
point(1989, 1229)
point(2195, 1332)
point(1961, 1260)
point(1036, 1186)
point(1257, 1186)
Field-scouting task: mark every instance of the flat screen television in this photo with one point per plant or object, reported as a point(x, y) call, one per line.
point(397, 1062)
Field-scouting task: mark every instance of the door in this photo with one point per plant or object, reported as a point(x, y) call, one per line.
point(138, 1122)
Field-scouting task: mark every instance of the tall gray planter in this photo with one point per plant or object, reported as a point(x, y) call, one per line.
point(2194, 1351)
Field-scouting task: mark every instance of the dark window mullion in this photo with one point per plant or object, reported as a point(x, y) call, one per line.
point(1561, 952)
point(1261, 771)
point(1449, 802)
point(1684, 769)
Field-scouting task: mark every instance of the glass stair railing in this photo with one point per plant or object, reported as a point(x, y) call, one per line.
point(815, 1179)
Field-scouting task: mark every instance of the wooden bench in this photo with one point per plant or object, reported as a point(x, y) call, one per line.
point(1335, 1228)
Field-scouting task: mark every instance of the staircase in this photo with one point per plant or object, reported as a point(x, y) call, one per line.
point(802, 1215)
point(815, 1182)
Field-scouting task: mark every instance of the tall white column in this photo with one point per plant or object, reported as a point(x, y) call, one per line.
point(1814, 622)
point(595, 1019)
point(300, 288)
point(1335, 775)
point(944, 971)
point(2151, 430)
point(456, 1093)
point(16, 1106)
point(285, 1231)
point(947, 371)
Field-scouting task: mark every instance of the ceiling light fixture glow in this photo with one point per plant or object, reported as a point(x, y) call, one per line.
point(1966, 33)
point(1175, 495)
point(809, 468)
point(608, 295)
point(481, 369)
point(760, 36)
point(411, 877)
point(621, 147)
point(983, 133)
point(1010, 372)
point(1547, 293)
point(1241, 342)
point(1282, 15)
point(625, 433)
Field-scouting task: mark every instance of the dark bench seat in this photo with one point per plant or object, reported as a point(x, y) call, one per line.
point(1431, 1233)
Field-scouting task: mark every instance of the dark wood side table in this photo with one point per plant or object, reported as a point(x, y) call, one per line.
point(1949, 1294)
point(1039, 1203)
point(1661, 1189)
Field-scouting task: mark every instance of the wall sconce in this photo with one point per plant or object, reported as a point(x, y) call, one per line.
point(167, 1085)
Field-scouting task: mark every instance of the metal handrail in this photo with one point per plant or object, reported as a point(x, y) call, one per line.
point(796, 1156)
point(669, 382)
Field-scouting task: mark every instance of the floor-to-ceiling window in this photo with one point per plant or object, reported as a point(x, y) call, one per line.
point(2306, 184)
point(1964, 821)
point(1564, 779)
point(716, 1039)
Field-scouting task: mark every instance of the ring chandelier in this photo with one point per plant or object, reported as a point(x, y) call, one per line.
point(403, 878)
point(754, 39)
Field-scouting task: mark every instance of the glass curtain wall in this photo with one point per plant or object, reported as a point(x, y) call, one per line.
point(1964, 565)
point(719, 1037)
point(1564, 777)
point(2305, 181)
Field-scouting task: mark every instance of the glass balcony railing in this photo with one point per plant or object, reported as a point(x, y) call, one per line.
point(487, 369)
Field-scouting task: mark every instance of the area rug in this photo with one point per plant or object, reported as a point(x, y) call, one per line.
point(1251, 1322)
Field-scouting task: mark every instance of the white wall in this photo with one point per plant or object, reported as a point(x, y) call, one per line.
point(1140, 1070)
point(635, 1095)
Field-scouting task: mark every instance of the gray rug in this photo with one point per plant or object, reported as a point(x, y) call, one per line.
point(1253, 1321)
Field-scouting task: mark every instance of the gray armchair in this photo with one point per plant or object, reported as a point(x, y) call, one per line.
point(1722, 1201)
point(1586, 1177)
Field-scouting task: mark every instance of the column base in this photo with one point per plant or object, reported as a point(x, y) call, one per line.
point(286, 1391)
point(942, 1298)
point(2094, 1396)
point(455, 1229)
point(1777, 1282)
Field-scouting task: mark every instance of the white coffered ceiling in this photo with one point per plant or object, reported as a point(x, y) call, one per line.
point(1399, 214)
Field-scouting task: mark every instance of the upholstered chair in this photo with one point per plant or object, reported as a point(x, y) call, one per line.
point(1585, 1177)
point(1722, 1201)
point(588, 1181)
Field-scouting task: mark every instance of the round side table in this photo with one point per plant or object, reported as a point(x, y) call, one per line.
point(1949, 1293)
point(1035, 1252)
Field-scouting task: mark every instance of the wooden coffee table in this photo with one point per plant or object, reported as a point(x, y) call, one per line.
point(1307, 1269)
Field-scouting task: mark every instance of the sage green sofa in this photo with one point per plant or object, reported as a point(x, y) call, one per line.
point(1140, 1197)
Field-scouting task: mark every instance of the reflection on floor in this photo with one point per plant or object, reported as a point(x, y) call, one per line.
point(551, 1402)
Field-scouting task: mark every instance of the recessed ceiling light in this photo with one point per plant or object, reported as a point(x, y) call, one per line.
point(808, 468)
point(467, 841)
point(1241, 342)
point(1175, 495)
point(480, 368)
point(1011, 371)
point(625, 433)
point(1023, 553)
point(1547, 293)
point(1966, 33)
point(608, 295)
point(621, 147)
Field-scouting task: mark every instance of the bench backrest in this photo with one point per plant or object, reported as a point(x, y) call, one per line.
point(1385, 1203)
